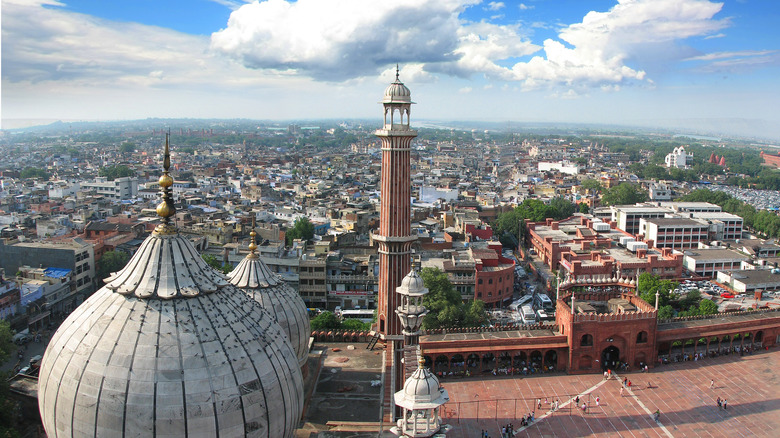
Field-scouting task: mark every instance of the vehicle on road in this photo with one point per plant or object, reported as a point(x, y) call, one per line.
point(363, 315)
point(527, 315)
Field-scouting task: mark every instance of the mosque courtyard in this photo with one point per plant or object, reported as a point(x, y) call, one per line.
point(680, 392)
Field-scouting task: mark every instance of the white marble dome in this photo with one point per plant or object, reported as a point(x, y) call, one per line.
point(421, 391)
point(412, 284)
point(397, 92)
point(285, 304)
point(169, 348)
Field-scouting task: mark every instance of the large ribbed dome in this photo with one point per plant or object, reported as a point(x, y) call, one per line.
point(280, 300)
point(169, 348)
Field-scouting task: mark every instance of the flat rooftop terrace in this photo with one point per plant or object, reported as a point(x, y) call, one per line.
point(680, 391)
point(488, 335)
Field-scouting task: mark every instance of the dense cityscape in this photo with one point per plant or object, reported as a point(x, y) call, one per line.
point(559, 219)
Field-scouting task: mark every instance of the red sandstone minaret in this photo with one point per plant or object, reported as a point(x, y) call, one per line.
point(395, 236)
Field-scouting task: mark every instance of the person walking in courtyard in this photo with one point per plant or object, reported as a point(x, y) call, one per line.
point(725, 403)
point(656, 415)
point(597, 401)
point(584, 408)
point(621, 391)
point(712, 383)
point(718, 402)
point(539, 403)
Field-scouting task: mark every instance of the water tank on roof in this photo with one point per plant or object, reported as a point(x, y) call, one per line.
point(626, 239)
point(600, 227)
point(634, 246)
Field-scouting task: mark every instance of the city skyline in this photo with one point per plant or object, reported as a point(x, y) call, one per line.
point(666, 63)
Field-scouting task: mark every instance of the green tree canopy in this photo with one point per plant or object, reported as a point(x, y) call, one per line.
point(622, 194)
point(7, 346)
point(325, 320)
point(592, 185)
point(444, 304)
point(584, 209)
point(301, 229)
point(33, 172)
point(707, 307)
point(665, 312)
point(112, 261)
point(691, 300)
point(214, 262)
point(127, 147)
point(649, 284)
point(114, 172)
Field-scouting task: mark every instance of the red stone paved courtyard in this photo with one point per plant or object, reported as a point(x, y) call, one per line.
point(681, 392)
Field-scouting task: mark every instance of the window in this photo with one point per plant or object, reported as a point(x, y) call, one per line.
point(480, 281)
point(641, 338)
point(490, 281)
point(586, 341)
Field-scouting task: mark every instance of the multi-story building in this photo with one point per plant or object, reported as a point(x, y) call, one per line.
point(660, 192)
point(731, 224)
point(121, 188)
point(627, 217)
point(312, 280)
point(74, 254)
point(708, 261)
point(675, 233)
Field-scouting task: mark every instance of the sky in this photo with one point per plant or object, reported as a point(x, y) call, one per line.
point(627, 62)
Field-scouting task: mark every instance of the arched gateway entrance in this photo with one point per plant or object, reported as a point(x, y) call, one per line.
point(610, 357)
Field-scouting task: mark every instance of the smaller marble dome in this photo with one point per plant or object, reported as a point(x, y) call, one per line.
point(412, 285)
point(421, 390)
point(280, 300)
point(397, 92)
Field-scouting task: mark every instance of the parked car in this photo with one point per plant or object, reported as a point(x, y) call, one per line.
point(727, 295)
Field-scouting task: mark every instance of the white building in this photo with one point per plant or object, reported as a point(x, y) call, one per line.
point(119, 189)
point(561, 166)
point(660, 192)
point(679, 158)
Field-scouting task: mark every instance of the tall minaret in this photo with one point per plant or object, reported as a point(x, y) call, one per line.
point(395, 236)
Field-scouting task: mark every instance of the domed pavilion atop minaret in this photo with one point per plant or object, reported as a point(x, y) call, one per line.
point(168, 347)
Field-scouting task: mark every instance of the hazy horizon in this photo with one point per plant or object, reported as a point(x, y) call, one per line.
point(663, 63)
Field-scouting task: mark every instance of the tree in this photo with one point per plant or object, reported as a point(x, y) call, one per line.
point(691, 300)
point(355, 324)
point(592, 185)
point(301, 229)
point(665, 312)
point(648, 284)
point(127, 147)
point(114, 172)
point(33, 173)
point(112, 261)
point(584, 209)
point(325, 320)
point(707, 307)
point(7, 346)
point(560, 208)
point(214, 262)
point(444, 304)
point(623, 193)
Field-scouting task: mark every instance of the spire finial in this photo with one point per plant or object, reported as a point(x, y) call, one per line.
point(421, 359)
point(397, 71)
point(166, 209)
point(252, 244)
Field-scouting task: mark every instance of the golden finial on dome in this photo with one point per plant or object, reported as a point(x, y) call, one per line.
point(421, 359)
point(252, 244)
point(166, 209)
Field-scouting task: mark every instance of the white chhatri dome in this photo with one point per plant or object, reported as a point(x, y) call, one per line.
point(169, 348)
point(274, 295)
point(397, 92)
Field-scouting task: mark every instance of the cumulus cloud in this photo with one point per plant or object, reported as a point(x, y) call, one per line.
point(596, 50)
point(524, 6)
point(337, 40)
point(494, 6)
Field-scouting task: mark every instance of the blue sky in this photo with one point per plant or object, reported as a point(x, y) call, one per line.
point(648, 62)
